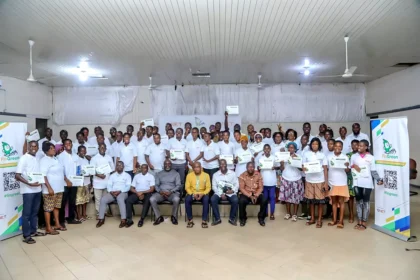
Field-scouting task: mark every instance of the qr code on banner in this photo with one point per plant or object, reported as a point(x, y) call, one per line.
point(9, 182)
point(390, 179)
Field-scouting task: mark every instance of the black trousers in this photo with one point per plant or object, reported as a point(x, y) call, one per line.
point(133, 198)
point(244, 201)
point(70, 196)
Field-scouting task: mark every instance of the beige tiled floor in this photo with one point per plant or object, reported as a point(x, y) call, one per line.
point(281, 250)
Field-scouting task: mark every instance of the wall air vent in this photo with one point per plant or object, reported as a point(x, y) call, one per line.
point(405, 64)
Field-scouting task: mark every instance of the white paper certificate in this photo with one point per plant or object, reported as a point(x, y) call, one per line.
point(266, 163)
point(104, 169)
point(233, 110)
point(256, 148)
point(282, 156)
point(164, 139)
point(312, 167)
point(77, 181)
point(244, 157)
point(228, 158)
point(91, 150)
point(177, 154)
point(339, 162)
point(33, 136)
point(295, 161)
point(88, 170)
point(34, 177)
point(148, 122)
point(362, 174)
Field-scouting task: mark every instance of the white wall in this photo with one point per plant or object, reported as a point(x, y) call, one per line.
point(22, 97)
point(401, 89)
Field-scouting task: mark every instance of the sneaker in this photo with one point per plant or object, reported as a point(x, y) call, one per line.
point(308, 218)
point(287, 216)
point(294, 218)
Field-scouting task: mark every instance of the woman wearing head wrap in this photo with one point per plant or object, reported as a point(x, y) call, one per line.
point(240, 154)
point(291, 187)
point(258, 145)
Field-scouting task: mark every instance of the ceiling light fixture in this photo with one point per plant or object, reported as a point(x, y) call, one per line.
point(84, 65)
point(83, 76)
point(306, 72)
point(306, 63)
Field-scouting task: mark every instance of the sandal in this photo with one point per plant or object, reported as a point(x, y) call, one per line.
point(38, 233)
point(340, 225)
point(190, 224)
point(53, 232)
point(29, 240)
point(287, 216)
point(60, 228)
point(308, 223)
point(318, 224)
point(294, 218)
point(357, 226)
point(204, 225)
point(362, 227)
point(332, 224)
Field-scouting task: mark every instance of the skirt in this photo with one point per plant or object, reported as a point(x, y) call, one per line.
point(291, 191)
point(342, 191)
point(315, 194)
point(52, 201)
point(82, 195)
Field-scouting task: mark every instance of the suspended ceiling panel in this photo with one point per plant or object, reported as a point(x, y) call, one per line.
point(234, 40)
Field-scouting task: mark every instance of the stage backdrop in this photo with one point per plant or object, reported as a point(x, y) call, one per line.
point(392, 199)
point(197, 121)
point(12, 137)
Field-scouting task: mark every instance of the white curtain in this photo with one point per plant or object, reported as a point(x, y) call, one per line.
point(92, 105)
point(277, 103)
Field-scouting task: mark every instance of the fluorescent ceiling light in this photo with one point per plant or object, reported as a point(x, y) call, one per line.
point(306, 65)
point(83, 76)
point(306, 72)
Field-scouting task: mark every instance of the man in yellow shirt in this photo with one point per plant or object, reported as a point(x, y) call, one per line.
point(197, 186)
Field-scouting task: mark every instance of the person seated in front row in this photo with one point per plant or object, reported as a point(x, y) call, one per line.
point(225, 186)
point(197, 186)
point(141, 190)
point(168, 185)
point(118, 186)
point(251, 188)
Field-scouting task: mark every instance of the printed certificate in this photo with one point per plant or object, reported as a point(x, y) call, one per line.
point(34, 177)
point(312, 167)
point(244, 157)
point(104, 169)
point(228, 158)
point(282, 156)
point(295, 161)
point(266, 163)
point(177, 154)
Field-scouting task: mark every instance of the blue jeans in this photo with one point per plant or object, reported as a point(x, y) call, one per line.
point(188, 206)
point(233, 206)
point(31, 203)
point(270, 195)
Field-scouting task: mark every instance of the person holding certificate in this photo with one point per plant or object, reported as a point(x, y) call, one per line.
point(83, 192)
point(315, 166)
point(141, 145)
point(354, 150)
point(142, 187)
point(69, 161)
point(118, 186)
point(211, 153)
point(197, 186)
point(258, 146)
point(52, 189)
point(227, 150)
point(225, 186)
point(363, 163)
point(100, 180)
point(267, 167)
point(31, 191)
point(195, 147)
point(291, 188)
point(251, 188)
point(243, 155)
point(338, 165)
point(177, 147)
point(156, 154)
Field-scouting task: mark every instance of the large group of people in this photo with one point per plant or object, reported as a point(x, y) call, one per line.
point(197, 166)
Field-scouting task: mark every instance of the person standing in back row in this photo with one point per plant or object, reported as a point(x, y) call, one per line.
point(178, 162)
point(156, 154)
point(210, 156)
point(128, 155)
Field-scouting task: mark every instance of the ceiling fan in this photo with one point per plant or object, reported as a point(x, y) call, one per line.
point(151, 86)
point(31, 76)
point(348, 72)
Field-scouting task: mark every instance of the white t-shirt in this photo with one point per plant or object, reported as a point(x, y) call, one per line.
point(127, 154)
point(324, 145)
point(27, 163)
point(251, 147)
point(157, 155)
point(143, 182)
point(97, 161)
point(368, 161)
point(134, 139)
point(361, 136)
point(40, 154)
point(237, 145)
point(277, 147)
point(346, 144)
point(336, 176)
point(69, 162)
point(141, 149)
point(119, 182)
point(269, 176)
point(81, 162)
point(149, 139)
point(174, 144)
point(311, 156)
point(188, 138)
point(76, 145)
point(291, 173)
point(301, 153)
point(194, 148)
point(268, 141)
point(241, 167)
point(92, 141)
point(227, 149)
point(51, 167)
point(210, 151)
